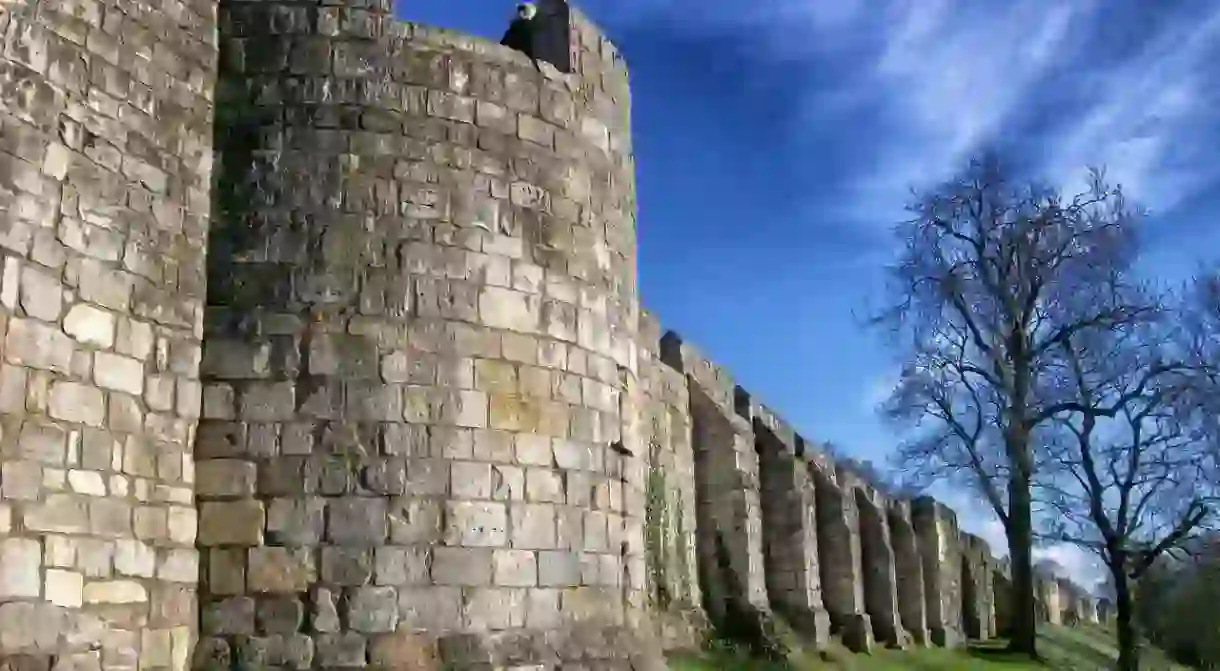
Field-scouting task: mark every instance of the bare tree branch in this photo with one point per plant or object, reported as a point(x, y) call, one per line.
point(994, 279)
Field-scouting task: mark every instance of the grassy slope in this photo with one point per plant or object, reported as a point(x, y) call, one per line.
point(1084, 648)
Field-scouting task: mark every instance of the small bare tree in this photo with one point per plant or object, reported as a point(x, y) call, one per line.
point(992, 277)
point(1133, 476)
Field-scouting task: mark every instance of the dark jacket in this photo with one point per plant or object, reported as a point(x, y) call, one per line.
point(520, 36)
point(544, 37)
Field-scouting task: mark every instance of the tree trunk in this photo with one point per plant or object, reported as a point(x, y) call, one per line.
point(1128, 642)
point(1020, 550)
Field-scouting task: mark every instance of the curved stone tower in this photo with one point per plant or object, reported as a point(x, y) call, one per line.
point(419, 348)
point(105, 164)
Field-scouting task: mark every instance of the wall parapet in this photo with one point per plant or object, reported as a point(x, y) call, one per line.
point(895, 571)
point(321, 347)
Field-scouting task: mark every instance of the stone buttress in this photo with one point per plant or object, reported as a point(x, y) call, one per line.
point(937, 537)
point(878, 568)
point(789, 516)
point(729, 535)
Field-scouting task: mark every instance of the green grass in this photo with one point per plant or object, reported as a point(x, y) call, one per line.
point(1082, 648)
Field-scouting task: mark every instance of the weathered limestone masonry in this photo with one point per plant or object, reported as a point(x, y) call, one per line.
point(419, 344)
point(841, 561)
point(1078, 606)
point(789, 509)
point(415, 419)
point(1001, 594)
point(669, 533)
point(877, 566)
point(105, 169)
point(728, 508)
point(978, 604)
point(936, 527)
point(912, 604)
point(1050, 603)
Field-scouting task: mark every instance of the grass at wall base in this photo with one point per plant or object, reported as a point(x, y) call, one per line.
point(1085, 647)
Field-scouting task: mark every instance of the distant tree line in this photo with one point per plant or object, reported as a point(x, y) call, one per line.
point(1178, 605)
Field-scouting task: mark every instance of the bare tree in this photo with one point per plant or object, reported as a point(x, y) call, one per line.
point(1134, 477)
point(992, 277)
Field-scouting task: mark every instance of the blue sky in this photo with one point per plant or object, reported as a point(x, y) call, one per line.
point(777, 141)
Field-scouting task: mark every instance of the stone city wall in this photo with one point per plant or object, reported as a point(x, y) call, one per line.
point(106, 126)
point(784, 530)
point(376, 391)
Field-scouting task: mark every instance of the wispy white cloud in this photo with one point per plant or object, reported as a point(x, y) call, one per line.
point(952, 76)
point(945, 77)
point(1144, 126)
point(942, 77)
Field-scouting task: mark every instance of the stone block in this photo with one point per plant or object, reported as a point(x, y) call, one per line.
point(76, 403)
point(350, 566)
point(231, 523)
point(471, 480)
point(280, 615)
point(298, 521)
point(461, 566)
point(87, 482)
point(415, 521)
point(510, 310)
point(115, 592)
point(30, 626)
point(345, 649)
point(542, 608)
point(156, 647)
point(402, 565)
point(357, 521)
point(493, 608)
point(533, 526)
point(134, 558)
point(508, 483)
point(36, 345)
point(404, 651)
point(228, 616)
point(386, 477)
point(430, 608)
point(373, 610)
point(858, 633)
point(41, 294)
point(542, 485)
point(945, 637)
point(118, 373)
point(225, 478)
point(43, 443)
point(514, 568)
point(533, 450)
point(21, 481)
point(280, 570)
point(61, 513)
point(558, 568)
point(20, 560)
point(476, 524)
point(324, 615)
point(179, 565)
